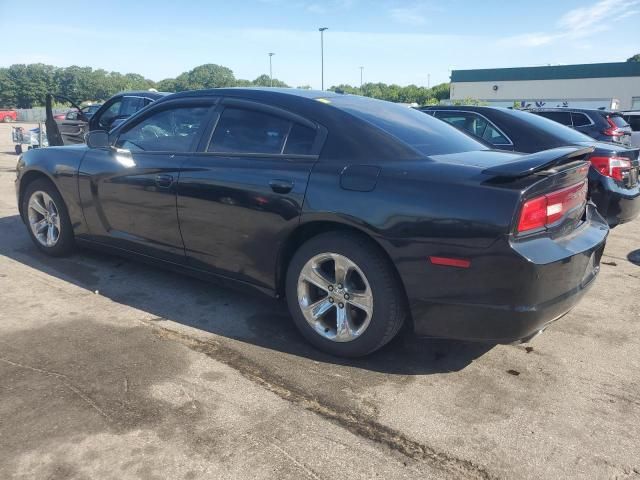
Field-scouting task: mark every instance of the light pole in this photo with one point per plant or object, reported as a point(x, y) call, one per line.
point(321, 30)
point(271, 54)
point(361, 69)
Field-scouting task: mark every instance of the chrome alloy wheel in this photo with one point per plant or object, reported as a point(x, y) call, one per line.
point(335, 297)
point(44, 219)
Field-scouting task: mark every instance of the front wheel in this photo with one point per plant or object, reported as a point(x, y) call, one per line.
point(344, 295)
point(8, 119)
point(47, 219)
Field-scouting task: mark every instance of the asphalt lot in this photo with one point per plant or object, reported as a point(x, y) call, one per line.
point(113, 369)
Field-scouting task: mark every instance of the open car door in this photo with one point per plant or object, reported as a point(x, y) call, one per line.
point(57, 137)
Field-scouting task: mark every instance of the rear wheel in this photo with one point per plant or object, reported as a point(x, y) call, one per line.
point(47, 218)
point(8, 119)
point(343, 294)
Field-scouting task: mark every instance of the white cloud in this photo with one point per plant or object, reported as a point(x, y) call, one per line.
point(579, 23)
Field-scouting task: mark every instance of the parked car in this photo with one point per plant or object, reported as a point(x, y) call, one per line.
point(76, 124)
point(613, 178)
point(7, 116)
point(73, 114)
point(604, 125)
point(364, 214)
point(633, 119)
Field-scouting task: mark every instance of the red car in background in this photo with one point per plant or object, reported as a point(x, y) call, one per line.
point(7, 116)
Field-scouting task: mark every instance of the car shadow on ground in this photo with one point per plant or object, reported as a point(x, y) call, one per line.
point(228, 312)
point(634, 257)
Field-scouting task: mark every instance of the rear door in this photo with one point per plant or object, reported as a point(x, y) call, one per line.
point(241, 194)
point(130, 200)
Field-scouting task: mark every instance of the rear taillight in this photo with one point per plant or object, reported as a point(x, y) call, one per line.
point(614, 167)
point(613, 130)
point(540, 212)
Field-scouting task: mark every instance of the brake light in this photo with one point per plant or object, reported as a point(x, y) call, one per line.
point(613, 167)
point(613, 130)
point(540, 212)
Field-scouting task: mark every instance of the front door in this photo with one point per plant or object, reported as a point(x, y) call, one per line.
point(240, 195)
point(130, 198)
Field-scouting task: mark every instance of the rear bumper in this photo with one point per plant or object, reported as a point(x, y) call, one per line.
point(512, 290)
point(617, 205)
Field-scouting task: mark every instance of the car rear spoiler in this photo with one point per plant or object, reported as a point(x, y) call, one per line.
point(536, 162)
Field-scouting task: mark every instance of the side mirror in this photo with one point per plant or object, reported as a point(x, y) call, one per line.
point(97, 139)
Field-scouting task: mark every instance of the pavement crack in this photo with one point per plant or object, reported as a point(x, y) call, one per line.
point(64, 380)
point(355, 422)
point(310, 473)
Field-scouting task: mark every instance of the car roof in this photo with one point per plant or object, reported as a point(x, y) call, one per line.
point(571, 109)
point(467, 108)
point(257, 92)
point(143, 93)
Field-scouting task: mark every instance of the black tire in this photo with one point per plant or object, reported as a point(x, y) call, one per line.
point(18, 149)
point(389, 303)
point(66, 242)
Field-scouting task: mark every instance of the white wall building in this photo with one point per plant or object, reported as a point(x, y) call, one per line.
point(595, 85)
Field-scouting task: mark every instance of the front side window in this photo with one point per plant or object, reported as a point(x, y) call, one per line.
point(241, 130)
point(131, 105)
point(169, 130)
point(109, 115)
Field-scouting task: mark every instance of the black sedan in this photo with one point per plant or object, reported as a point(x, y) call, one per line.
point(613, 180)
point(364, 214)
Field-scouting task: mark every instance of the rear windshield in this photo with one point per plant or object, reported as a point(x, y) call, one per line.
point(424, 133)
point(552, 128)
point(618, 121)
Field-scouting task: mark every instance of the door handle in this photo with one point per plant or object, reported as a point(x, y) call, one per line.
point(164, 181)
point(281, 186)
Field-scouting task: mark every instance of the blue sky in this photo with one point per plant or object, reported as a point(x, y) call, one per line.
point(396, 41)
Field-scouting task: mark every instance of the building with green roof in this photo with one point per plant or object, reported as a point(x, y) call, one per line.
point(592, 85)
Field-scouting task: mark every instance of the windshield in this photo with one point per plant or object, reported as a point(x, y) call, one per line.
point(554, 129)
point(422, 132)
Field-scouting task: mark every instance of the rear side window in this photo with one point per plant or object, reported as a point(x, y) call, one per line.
point(170, 130)
point(475, 124)
point(618, 121)
point(242, 130)
point(300, 140)
point(580, 119)
point(494, 136)
point(561, 117)
point(424, 133)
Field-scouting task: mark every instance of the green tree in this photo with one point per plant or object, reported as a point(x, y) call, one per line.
point(209, 75)
point(635, 58)
point(265, 81)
